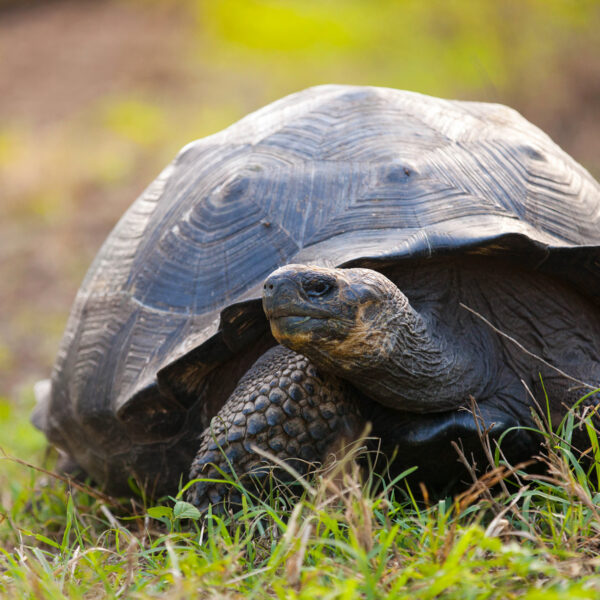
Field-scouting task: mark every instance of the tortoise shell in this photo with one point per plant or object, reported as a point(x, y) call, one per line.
point(168, 316)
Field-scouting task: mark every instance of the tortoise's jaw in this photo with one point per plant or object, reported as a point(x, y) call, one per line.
point(291, 331)
point(292, 319)
point(297, 331)
point(294, 323)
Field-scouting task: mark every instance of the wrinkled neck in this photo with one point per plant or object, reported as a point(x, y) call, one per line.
point(426, 366)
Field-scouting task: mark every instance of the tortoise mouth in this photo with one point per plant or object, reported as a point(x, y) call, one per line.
point(295, 331)
point(295, 312)
point(290, 323)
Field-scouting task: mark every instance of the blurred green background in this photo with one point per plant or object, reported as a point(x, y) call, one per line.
point(97, 96)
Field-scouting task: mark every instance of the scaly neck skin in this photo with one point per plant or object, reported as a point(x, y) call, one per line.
point(410, 363)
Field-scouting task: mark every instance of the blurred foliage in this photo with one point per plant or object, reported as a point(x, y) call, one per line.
point(439, 47)
point(136, 121)
point(96, 97)
point(376, 42)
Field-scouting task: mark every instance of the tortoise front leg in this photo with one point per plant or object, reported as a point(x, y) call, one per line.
point(282, 405)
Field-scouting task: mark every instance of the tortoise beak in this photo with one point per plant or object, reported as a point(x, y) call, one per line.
point(281, 295)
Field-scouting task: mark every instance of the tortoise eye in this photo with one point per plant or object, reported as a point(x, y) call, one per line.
point(317, 287)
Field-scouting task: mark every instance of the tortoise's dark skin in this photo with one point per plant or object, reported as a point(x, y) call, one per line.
point(410, 370)
point(283, 405)
point(454, 202)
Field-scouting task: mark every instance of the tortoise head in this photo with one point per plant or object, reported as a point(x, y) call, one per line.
point(340, 318)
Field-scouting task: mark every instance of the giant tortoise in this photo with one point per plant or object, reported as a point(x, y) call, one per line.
point(410, 254)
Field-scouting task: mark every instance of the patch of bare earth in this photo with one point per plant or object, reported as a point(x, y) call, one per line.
point(58, 59)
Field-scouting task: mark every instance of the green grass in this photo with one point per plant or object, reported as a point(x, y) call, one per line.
point(537, 538)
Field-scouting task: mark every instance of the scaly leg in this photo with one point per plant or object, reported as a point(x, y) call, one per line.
point(282, 405)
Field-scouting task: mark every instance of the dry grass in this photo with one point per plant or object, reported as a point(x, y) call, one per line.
point(533, 536)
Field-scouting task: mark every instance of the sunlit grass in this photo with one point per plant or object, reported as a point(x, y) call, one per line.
point(344, 538)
